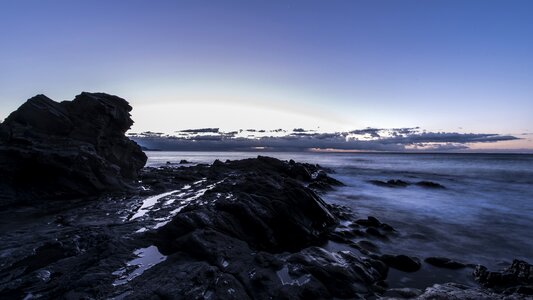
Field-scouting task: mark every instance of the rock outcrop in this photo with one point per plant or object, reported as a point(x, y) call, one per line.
point(518, 277)
point(248, 229)
point(268, 208)
point(51, 150)
point(256, 233)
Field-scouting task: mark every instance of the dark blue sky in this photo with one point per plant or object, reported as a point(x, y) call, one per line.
point(462, 66)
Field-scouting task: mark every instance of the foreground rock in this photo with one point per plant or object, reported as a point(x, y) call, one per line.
point(462, 292)
point(518, 277)
point(51, 150)
point(248, 229)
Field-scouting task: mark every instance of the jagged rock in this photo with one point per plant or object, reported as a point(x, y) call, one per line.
point(516, 278)
point(403, 293)
point(373, 223)
point(268, 212)
point(322, 182)
point(460, 292)
point(366, 245)
point(343, 274)
point(246, 238)
point(51, 150)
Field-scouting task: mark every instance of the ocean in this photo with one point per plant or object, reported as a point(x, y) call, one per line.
point(483, 216)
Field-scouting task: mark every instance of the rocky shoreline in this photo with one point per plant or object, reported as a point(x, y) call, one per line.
point(248, 229)
point(245, 229)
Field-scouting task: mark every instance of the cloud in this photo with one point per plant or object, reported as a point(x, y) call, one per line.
point(368, 139)
point(200, 130)
point(373, 132)
point(445, 137)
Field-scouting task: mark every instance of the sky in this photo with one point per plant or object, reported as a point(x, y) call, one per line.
point(332, 66)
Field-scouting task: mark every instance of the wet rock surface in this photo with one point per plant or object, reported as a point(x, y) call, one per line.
point(518, 277)
point(461, 292)
point(247, 229)
point(51, 150)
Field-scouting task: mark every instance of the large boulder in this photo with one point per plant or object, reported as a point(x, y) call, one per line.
point(51, 150)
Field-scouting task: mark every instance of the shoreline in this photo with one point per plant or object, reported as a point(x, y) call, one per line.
point(193, 193)
point(263, 151)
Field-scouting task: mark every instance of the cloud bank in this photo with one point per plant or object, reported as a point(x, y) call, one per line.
point(299, 139)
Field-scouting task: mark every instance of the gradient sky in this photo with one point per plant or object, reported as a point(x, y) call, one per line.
point(457, 66)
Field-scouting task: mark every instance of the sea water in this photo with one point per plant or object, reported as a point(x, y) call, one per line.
point(483, 216)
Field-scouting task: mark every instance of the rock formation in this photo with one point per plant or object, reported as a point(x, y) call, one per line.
point(247, 229)
point(51, 150)
point(518, 277)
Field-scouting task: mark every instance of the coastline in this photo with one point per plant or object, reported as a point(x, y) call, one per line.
point(85, 214)
point(181, 228)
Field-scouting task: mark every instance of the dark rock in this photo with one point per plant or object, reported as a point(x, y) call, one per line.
point(430, 184)
point(323, 182)
point(300, 172)
point(458, 292)
point(367, 245)
point(386, 227)
point(393, 183)
point(247, 238)
point(397, 182)
point(43, 256)
point(516, 278)
point(375, 232)
point(343, 274)
point(402, 293)
point(402, 262)
point(319, 186)
point(525, 290)
point(51, 150)
point(374, 222)
point(340, 237)
point(218, 163)
point(390, 183)
point(369, 222)
point(183, 161)
point(443, 262)
point(269, 213)
point(341, 212)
